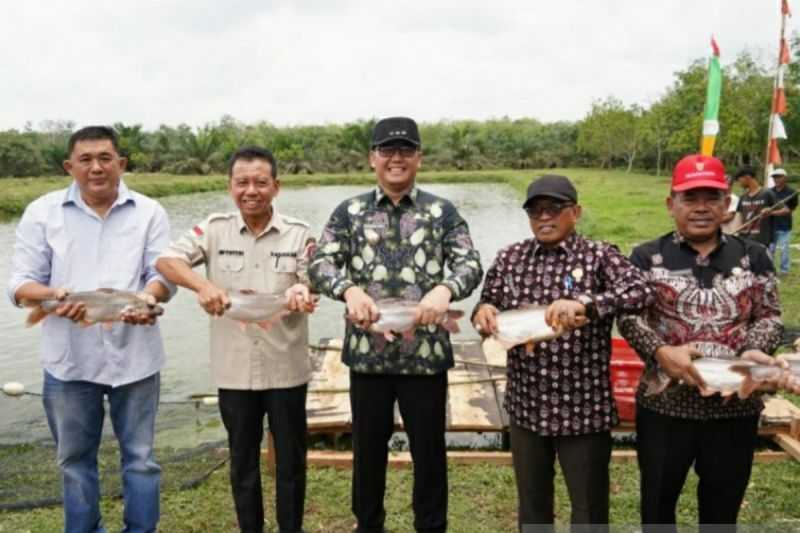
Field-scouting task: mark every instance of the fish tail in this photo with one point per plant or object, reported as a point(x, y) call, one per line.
point(35, 316)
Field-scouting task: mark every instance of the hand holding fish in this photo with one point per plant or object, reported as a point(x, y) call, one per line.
point(566, 315)
point(783, 378)
point(676, 362)
point(433, 307)
point(300, 299)
point(141, 317)
point(74, 310)
point(485, 320)
point(213, 299)
point(361, 309)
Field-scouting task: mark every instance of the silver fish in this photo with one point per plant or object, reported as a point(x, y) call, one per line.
point(259, 308)
point(726, 376)
point(522, 326)
point(102, 306)
point(396, 315)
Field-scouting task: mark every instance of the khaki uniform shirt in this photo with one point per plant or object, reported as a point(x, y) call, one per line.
point(273, 261)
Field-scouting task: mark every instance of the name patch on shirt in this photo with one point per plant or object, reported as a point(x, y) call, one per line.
point(231, 252)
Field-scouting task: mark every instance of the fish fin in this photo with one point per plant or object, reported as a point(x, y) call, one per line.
point(265, 325)
point(36, 315)
point(749, 385)
point(529, 346)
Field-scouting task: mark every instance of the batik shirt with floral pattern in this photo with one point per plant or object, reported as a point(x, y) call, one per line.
point(722, 304)
point(563, 386)
point(396, 251)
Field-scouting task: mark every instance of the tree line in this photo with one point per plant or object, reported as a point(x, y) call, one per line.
point(611, 135)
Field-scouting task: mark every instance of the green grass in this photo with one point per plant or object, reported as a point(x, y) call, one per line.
point(482, 499)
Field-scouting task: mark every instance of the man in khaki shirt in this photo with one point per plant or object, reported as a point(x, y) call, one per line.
point(257, 371)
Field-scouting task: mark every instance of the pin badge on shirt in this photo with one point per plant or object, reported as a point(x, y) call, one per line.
point(577, 273)
point(509, 279)
point(568, 283)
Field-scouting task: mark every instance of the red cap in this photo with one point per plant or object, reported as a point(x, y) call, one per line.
point(695, 171)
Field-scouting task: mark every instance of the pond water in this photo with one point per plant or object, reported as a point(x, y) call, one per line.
point(492, 212)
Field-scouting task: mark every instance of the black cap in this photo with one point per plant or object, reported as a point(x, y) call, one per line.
point(745, 171)
point(395, 129)
point(552, 186)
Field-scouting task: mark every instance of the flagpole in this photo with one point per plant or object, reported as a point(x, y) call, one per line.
point(770, 129)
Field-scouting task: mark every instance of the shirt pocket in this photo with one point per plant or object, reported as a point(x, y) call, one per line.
point(231, 263)
point(283, 271)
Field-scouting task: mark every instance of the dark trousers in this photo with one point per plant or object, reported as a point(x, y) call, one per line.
point(722, 454)
point(584, 461)
point(243, 415)
point(422, 401)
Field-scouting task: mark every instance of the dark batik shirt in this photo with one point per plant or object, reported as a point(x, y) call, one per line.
point(563, 386)
point(723, 304)
point(396, 252)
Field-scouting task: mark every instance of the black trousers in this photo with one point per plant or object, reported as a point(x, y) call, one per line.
point(243, 415)
point(422, 401)
point(721, 452)
point(584, 461)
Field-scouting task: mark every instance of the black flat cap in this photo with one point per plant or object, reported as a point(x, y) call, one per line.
point(552, 186)
point(395, 129)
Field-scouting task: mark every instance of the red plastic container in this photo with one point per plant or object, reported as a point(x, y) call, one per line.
point(626, 369)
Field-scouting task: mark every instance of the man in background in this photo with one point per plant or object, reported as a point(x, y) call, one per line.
point(754, 206)
point(782, 219)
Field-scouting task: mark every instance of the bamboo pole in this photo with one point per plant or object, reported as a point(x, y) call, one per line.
point(771, 127)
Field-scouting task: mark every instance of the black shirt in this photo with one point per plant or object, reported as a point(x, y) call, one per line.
point(784, 222)
point(750, 207)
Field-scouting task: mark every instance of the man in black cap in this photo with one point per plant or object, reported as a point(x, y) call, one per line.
point(559, 392)
point(395, 242)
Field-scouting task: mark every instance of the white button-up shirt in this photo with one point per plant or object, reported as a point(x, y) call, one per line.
point(61, 242)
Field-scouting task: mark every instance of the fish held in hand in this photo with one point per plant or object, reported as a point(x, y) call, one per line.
point(102, 306)
point(724, 376)
point(259, 308)
point(399, 316)
point(526, 325)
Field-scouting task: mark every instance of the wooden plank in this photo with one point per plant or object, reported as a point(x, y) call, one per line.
point(328, 403)
point(789, 444)
point(497, 356)
point(343, 459)
point(779, 411)
point(472, 401)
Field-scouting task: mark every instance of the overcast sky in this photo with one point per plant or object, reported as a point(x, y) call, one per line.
point(323, 61)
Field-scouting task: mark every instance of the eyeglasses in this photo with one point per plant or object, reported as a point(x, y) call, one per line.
point(551, 210)
point(405, 150)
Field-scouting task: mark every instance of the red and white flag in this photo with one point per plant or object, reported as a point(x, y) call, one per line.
point(776, 127)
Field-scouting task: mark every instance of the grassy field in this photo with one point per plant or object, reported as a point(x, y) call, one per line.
point(482, 499)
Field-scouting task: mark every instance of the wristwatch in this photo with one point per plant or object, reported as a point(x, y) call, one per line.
point(588, 304)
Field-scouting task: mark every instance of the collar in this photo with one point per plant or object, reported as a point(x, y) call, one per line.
point(411, 196)
point(276, 222)
point(681, 241)
point(567, 245)
point(73, 196)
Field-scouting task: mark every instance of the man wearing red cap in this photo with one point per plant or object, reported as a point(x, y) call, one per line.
point(716, 297)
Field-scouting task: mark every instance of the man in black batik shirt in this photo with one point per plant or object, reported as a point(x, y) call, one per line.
point(559, 397)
